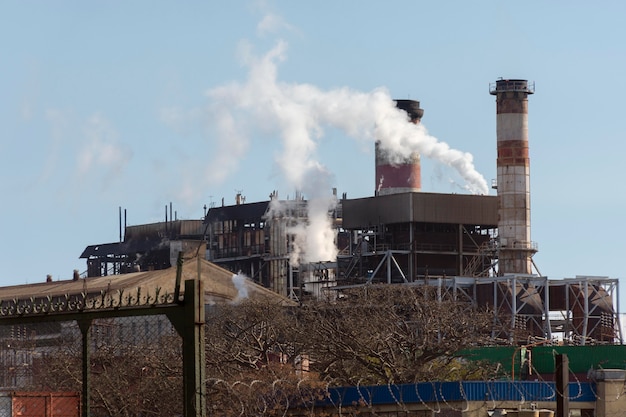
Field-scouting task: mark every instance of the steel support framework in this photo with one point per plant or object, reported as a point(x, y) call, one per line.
point(598, 300)
point(587, 310)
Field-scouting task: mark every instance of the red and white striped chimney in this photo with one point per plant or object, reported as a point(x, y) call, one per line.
point(513, 164)
point(406, 176)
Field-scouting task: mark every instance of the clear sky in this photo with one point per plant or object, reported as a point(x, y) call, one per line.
point(107, 104)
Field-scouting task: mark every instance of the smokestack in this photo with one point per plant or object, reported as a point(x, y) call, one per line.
point(516, 248)
point(404, 176)
point(120, 213)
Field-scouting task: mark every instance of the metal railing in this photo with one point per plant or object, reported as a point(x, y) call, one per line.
point(501, 86)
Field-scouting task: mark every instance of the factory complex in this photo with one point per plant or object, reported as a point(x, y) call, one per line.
point(476, 247)
point(472, 248)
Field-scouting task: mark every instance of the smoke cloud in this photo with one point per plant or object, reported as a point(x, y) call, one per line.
point(240, 283)
point(299, 113)
point(313, 236)
point(102, 151)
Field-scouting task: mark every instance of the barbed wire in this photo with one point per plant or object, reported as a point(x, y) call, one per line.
point(253, 396)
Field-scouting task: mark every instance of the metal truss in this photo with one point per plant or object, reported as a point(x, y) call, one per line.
point(585, 311)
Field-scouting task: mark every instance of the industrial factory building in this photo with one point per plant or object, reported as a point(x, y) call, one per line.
point(477, 248)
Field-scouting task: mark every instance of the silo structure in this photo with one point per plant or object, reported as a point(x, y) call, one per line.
point(513, 178)
point(394, 177)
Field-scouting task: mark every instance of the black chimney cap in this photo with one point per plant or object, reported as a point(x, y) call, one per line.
point(412, 107)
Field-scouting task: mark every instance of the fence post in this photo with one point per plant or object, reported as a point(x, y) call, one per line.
point(85, 329)
point(562, 385)
point(194, 360)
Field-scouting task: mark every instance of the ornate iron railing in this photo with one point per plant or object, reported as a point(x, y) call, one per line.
point(85, 302)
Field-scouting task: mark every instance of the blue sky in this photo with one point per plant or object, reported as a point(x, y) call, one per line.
point(113, 104)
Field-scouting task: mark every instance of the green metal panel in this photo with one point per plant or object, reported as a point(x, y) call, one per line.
point(581, 358)
point(494, 354)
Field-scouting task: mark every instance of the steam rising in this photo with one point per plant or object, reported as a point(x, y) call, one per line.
point(240, 282)
point(299, 113)
point(313, 237)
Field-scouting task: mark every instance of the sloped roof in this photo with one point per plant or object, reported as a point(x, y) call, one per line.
point(219, 285)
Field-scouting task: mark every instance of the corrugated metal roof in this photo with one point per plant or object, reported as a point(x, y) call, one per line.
point(432, 392)
point(118, 248)
point(145, 237)
point(104, 249)
point(218, 284)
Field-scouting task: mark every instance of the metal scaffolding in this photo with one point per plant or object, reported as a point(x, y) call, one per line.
point(574, 311)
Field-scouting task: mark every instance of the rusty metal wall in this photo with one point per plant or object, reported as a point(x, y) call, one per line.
point(176, 227)
point(43, 404)
point(420, 207)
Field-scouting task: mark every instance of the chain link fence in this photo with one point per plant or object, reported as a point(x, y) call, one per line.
point(135, 368)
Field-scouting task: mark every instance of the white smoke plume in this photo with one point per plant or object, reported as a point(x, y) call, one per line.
point(313, 236)
point(102, 152)
point(240, 282)
point(299, 113)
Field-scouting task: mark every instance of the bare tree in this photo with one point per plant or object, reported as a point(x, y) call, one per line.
point(129, 378)
point(255, 351)
point(392, 334)
point(263, 358)
point(368, 335)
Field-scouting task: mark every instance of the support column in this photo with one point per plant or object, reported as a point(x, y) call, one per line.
point(562, 385)
point(85, 329)
point(191, 328)
point(610, 388)
point(194, 350)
